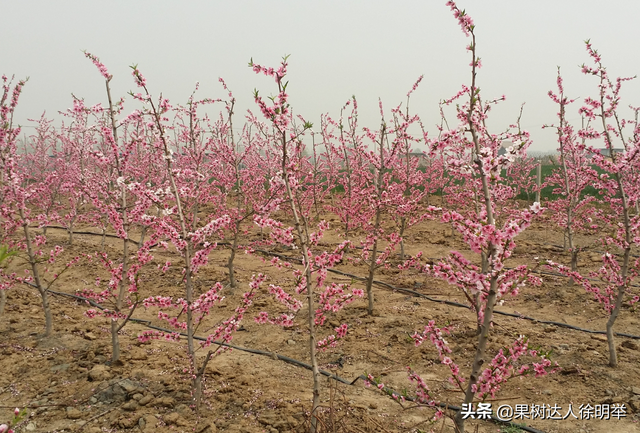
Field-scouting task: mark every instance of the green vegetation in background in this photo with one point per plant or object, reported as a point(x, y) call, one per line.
point(545, 194)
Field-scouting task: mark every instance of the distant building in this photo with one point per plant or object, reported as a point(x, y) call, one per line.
point(423, 159)
point(605, 151)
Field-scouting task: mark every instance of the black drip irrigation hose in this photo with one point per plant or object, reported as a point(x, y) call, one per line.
point(585, 249)
point(420, 295)
point(295, 362)
point(109, 235)
point(503, 313)
point(551, 273)
point(458, 304)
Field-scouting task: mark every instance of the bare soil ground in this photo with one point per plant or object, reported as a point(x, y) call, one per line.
point(67, 384)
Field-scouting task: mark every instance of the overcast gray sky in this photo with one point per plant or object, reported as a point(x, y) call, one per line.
point(372, 49)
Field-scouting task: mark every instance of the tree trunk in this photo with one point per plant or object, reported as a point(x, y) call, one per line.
point(122, 286)
point(479, 360)
point(613, 357)
point(403, 226)
point(3, 301)
point(48, 320)
point(115, 342)
point(372, 263)
point(234, 247)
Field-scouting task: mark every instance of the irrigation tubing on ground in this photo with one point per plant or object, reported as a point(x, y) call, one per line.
point(586, 249)
point(503, 313)
point(434, 259)
point(292, 361)
point(458, 304)
point(109, 235)
point(75, 232)
point(556, 274)
point(429, 298)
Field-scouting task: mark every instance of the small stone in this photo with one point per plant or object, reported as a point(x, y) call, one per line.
point(569, 370)
point(635, 390)
point(73, 413)
point(549, 329)
point(31, 426)
point(629, 345)
point(145, 400)
point(128, 422)
point(599, 337)
point(291, 342)
point(560, 348)
point(99, 373)
point(166, 402)
point(139, 373)
point(174, 418)
point(130, 406)
point(61, 367)
point(128, 385)
point(206, 427)
point(183, 410)
point(90, 336)
point(138, 355)
point(150, 422)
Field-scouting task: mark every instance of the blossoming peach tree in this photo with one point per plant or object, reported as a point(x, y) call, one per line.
point(322, 297)
point(17, 215)
point(619, 186)
point(572, 209)
point(179, 223)
point(114, 189)
point(488, 232)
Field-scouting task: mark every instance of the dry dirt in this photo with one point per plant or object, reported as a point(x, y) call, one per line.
point(67, 384)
